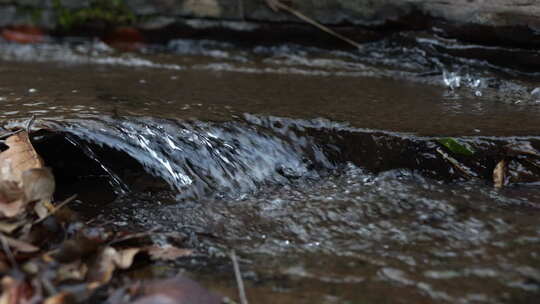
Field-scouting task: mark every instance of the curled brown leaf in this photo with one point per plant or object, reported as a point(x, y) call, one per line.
point(20, 157)
point(38, 184)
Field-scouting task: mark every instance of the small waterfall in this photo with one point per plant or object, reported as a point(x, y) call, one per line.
point(204, 158)
point(228, 159)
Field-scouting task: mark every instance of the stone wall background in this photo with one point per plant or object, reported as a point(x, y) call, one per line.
point(499, 21)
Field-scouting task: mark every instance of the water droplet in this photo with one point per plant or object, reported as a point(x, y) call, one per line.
point(451, 80)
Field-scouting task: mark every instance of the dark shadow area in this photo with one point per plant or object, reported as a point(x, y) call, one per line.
point(96, 173)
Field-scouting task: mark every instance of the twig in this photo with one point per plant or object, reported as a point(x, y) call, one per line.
point(465, 170)
point(56, 208)
point(239, 282)
point(276, 5)
point(6, 135)
point(29, 124)
point(137, 235)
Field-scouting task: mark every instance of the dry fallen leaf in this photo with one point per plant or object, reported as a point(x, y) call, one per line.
point(109, 260)
point(38, 184)
point(521, 148)
point(60, 298)
point(12, 201)
point(14, 291)
point(20, 157)
point(4, 266)
point(499, 174)
point(41, 210)
point(72, 271)
point(9, 191)
point(7, 226)
point(167, 253)
point(18, 245)
point(22, 176)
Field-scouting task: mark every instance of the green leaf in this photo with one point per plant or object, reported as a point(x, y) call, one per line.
point(455, 147)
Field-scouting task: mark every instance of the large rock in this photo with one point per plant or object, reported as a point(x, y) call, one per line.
point(373, 12)
point(485, 21)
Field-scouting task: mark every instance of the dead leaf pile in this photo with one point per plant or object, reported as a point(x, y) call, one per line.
point(46, 254)
point(73, 270)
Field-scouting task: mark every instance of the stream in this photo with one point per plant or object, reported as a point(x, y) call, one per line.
point(323, 169)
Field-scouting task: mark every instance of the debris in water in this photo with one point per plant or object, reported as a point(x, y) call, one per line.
point(499, 174)
point(276, 5)
point(456, 147)
point(167, 253)
point(238, 276)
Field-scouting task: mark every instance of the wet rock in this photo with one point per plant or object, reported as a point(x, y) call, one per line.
point(497, 22)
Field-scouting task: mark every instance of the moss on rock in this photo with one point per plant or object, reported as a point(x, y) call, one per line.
point(108, 11)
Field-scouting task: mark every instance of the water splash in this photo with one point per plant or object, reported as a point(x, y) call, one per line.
point(455, 80)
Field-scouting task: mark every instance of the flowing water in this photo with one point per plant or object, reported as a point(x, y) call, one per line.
point(324, 170)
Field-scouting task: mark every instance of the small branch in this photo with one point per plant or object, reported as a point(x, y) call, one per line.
point(239, 282)
point(276, 5)
point(62, 204)
point(465, 170)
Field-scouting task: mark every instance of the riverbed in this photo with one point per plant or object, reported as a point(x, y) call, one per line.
point(323, 169)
